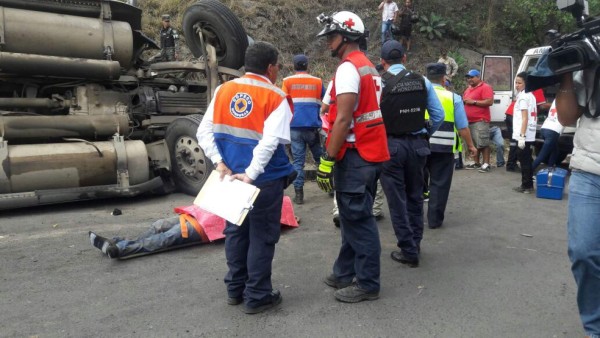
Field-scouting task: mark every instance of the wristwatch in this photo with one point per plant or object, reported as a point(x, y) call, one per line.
point(326, 157)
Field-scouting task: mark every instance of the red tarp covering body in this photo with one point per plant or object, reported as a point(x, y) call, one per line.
point(214, 225)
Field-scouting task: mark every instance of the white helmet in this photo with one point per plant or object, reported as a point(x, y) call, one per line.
point(345, 23)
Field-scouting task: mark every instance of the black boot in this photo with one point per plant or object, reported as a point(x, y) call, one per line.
point(299, 198)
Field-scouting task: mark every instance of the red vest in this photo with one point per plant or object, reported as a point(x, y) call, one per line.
point(371, 140)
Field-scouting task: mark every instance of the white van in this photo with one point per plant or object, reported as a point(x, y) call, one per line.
point(497, 71)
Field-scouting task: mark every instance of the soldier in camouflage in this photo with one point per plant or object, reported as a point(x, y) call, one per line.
point(168, 40)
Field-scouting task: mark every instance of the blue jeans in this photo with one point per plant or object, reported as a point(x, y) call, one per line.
point(496, 138)
point(302, 137)
point(386, 30)
point(584, 246)
point(163, 234)
point(549, 151)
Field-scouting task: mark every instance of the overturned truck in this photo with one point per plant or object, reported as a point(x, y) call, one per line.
point(84, 116)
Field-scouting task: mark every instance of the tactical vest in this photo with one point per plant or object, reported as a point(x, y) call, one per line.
point(167, 37)
point(403, 103)
point(371, 142)
point(445, 140)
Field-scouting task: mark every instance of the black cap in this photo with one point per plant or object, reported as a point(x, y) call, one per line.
point(392, 50)
point(436, 69)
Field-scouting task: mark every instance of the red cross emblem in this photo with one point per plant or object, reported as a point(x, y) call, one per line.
point(349, 23)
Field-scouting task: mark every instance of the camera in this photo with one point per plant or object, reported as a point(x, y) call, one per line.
point(580, 49)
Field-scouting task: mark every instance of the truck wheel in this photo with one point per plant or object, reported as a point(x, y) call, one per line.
point(189, 167)
point(220, 27)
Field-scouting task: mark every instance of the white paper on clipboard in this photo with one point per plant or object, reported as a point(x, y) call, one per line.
point(231, 200)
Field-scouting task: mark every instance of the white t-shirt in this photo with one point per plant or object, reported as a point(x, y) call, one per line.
point(388, 11)
point(551, 122)
point(347, 80)
point(525, 101)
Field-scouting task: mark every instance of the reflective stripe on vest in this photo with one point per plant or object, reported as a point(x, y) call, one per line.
point(444, 140)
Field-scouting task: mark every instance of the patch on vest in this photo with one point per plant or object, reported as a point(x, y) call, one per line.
point(407, 86)
point(241, 105)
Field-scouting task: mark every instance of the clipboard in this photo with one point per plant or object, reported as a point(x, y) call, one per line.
point(231, 200)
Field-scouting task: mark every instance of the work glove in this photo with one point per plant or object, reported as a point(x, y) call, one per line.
point(325, 174)
point(521, 142)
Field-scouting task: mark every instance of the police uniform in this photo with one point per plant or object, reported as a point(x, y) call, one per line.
point(444, 143)
point(405, 97)
point(243, 113)
point(168, 41)
point(306, 92)
point(357, 168)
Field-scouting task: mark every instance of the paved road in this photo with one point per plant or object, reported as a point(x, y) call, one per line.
point(479, 277)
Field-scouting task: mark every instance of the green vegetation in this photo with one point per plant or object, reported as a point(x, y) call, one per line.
point(432, 26)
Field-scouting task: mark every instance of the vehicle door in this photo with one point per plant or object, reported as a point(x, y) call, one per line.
point(497, 71)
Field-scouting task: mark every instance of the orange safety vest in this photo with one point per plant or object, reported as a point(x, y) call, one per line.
point(306, 92)
point(241, 107)
point(371, 140)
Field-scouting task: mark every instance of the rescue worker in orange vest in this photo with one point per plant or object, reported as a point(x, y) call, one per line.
point(356, 147)
point(243, 132)
point(306, 92)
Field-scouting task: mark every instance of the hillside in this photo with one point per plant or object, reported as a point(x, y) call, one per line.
point(469, 28)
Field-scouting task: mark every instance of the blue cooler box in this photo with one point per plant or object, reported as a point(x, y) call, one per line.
point(550, 183)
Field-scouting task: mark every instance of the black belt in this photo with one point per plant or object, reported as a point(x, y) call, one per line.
point(401, 136)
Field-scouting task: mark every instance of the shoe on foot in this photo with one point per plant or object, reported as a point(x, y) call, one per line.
point(398, 256)
point(514, 168)
point(275, 299)
point(235, 300)
point(473, 166)
point(335, 283)
point(299, 196)
point(354, 294)
point(336, 220)
point(485, 168)
point(105, 245)
point(523, 190)
point(500, 165)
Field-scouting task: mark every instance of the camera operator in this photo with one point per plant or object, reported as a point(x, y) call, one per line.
point(578, 98)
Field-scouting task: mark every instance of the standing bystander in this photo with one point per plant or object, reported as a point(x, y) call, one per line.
point(243, 132)
point(169, 39)
point(577, 99)
point(389, 13)
point(451, 65)
point(478, 98)
point(406, 21)
point(306, 92)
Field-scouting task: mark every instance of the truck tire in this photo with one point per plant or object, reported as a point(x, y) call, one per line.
point(189, 166)
point(220, 27)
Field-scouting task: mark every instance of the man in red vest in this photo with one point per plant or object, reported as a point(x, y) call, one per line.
point(243, 132)
point(356, 146)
